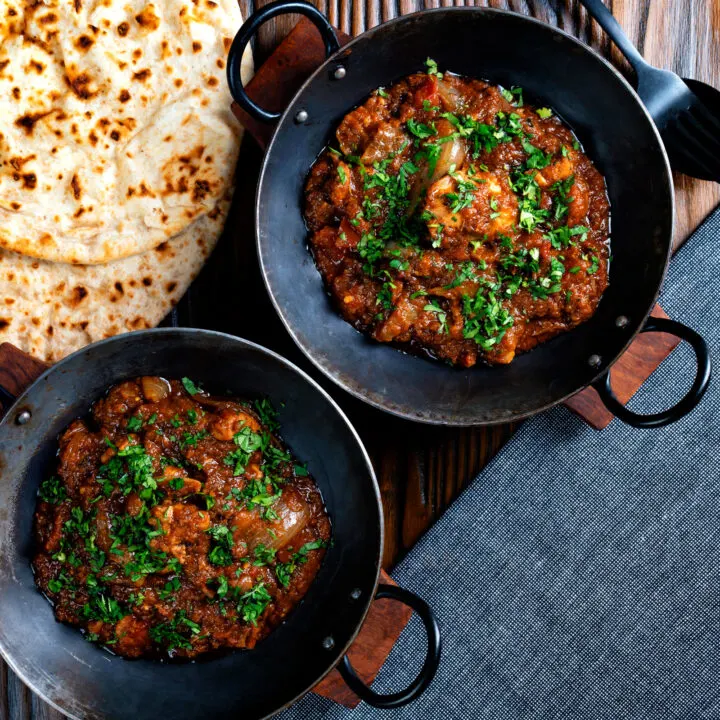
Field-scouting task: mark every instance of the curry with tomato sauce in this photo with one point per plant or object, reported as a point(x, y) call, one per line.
point(453, 219)
point(177, 523)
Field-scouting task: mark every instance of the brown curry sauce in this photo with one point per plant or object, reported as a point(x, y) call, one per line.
point(455, 220)
point(178, 523)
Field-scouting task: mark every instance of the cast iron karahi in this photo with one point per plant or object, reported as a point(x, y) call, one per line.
point(618, 135)
point(84, 681)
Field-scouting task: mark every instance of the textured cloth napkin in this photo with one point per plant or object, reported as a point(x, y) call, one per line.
point(579, 575)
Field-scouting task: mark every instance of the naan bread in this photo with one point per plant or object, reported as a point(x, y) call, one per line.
point(117, 132)
point(52, 309)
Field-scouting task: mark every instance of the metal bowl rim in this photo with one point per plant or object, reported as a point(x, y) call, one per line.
point(139, 335)
point(605, 367)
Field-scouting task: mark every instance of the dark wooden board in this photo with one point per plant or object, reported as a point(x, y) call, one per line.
point(421, 470)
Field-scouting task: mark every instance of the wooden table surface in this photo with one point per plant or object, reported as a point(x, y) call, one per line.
point(420, 469)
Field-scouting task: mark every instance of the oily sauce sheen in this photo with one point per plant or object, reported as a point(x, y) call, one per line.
point(453, 219)
point(177, 523)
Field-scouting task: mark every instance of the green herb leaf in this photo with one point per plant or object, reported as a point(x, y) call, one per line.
point(432, 68)
point(190, 386)
point(52, 490)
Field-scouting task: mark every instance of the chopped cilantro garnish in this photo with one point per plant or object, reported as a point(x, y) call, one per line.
point(514, 95)
point(264, 555)
point(176, 633)
point(432, 68)
point(52, 490)
point(251, 605)
point(220, 552)
point(439, 313)
point(284, 571)
point(486, 319)
point(169, 589)
point(420, 130)
point(190, 386)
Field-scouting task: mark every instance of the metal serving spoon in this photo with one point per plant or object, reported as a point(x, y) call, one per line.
point(686, 112)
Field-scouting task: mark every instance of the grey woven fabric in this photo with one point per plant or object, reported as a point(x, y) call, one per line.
point(579, 575)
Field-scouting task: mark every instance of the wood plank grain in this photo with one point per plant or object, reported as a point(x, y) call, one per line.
point(683, 37)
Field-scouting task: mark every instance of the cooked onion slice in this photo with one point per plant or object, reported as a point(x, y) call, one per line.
point(450, 96)
point(154, 389)
point(452, 153)
point(293, 515)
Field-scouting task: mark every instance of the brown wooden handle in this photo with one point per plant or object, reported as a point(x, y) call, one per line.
point(18, 371)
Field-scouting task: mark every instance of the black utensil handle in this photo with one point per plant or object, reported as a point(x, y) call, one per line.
point(432, 659)
point(684, 406)
point(612, 27)
point(245, 34)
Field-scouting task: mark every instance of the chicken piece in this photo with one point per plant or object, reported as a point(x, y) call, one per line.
point(133, 637)
point(579, 203)
point(228, 422)
point(400, 320)
point(50, 528)
point(80, 451)
point(474, 205)
point(183, 529)
point(360, 126)
point(121, 401)
point(560, 170)
point(189, 486)
point(504, 352)
point(389, 138)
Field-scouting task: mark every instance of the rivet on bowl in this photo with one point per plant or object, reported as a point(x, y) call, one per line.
point(301, 117)
point(23, 417)
point(355, 594)
point(328, 643)
point(622, 321)
point(340, 72)
point(594, 360)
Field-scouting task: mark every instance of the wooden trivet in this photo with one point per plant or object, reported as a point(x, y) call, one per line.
point(275, 84)
point(384, 622)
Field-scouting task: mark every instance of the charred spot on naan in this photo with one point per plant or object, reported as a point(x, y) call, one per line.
point(76, 187)
point(80, 82)
point(77, 295)
point(142, 75)
point(28, 180)
point(28, 121)
point(148, 18)
point(83, 43)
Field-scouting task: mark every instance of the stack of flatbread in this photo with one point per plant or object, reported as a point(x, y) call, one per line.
point(117, 161)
